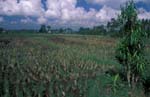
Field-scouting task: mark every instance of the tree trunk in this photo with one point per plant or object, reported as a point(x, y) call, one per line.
point(129, 77)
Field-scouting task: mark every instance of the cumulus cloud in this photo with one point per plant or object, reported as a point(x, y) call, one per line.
point(63, 13)
point(68, 14)
point(41, 20)
point(143, 14)
point(23, 7)
point(106, 13)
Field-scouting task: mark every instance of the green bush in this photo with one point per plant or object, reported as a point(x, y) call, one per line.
point(129, 52)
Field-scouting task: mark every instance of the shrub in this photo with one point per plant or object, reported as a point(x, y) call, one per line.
point(129, 52)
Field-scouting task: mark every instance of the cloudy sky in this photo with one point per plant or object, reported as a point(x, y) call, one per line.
point(30, 14)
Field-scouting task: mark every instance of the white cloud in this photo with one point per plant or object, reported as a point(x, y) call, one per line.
point(24, 7)
point(63, 13)
point(31, 7)
point(57, 8)
point(26, 20)
point(41, 20)
point(143, 14)
point(66, 12)
point(106, 13)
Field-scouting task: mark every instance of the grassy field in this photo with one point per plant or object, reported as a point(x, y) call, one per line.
point(44, 65)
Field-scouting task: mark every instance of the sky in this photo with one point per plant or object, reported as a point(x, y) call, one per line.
point(30, 14)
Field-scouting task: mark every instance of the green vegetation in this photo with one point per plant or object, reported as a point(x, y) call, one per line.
point(43, 29)
point(43, 65)
point(73, 65)
point(130, 50)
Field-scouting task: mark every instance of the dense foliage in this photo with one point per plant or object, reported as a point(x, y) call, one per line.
point(130, 50)
point(43, 29)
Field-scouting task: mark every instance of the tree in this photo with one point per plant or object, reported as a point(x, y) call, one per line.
point(129, 52)
point(61, 30)
point(43, 29)
point(49, 29)
point(113, 27)
point(146, 26)
point(68, 30)
point(98, 30)
point(84, 31)
point(1, 30)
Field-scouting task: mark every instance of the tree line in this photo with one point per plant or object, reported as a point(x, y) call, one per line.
point(112, 28)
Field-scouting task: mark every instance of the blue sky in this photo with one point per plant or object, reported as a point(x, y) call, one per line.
point(30, 14)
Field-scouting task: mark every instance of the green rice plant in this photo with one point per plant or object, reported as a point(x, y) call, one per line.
point(36, 65)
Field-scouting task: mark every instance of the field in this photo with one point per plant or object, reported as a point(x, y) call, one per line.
point(45, 65)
